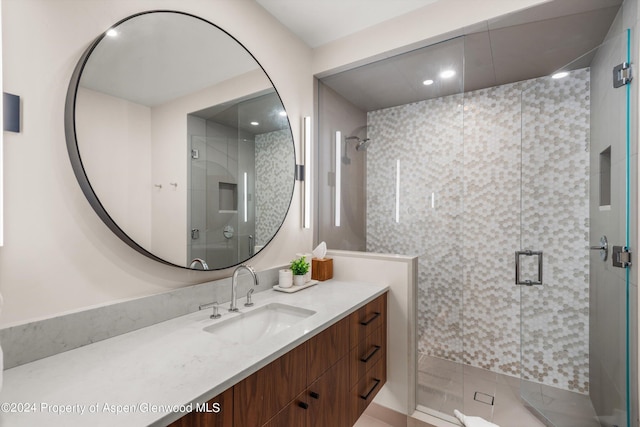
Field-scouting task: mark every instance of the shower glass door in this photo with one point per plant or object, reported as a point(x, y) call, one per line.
point(575, 306)
point(216, 196)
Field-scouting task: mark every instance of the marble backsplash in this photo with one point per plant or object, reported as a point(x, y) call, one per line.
point(35, 340)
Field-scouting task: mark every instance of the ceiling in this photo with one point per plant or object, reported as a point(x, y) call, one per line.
point(318, 22)
point(258, 114)
point(157, 57)
point(149, 63)
point(524, 45)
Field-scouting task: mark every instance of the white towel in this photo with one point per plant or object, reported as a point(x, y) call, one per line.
point(472, 421)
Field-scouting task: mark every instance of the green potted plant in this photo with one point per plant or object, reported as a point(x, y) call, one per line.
point(299, 267)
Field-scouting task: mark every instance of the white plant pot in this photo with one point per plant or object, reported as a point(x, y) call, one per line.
point(299, 280)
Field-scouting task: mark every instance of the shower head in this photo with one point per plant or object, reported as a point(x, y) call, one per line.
point(361, 145)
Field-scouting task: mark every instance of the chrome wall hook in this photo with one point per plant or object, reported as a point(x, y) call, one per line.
point(603, 248)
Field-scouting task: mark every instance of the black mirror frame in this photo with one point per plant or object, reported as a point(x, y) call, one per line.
point(78, 167)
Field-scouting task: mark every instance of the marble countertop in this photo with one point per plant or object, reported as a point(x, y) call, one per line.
point(141, 377)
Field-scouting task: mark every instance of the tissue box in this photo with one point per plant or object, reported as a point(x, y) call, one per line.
point(321, 269)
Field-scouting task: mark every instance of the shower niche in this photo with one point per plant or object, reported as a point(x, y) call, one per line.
point(228, 197)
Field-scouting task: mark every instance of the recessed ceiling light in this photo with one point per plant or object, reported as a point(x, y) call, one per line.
point(255, 123)
point(560, 75)
point(427, 82)
point(112, 33)
point(283, 113)
point(447, 74)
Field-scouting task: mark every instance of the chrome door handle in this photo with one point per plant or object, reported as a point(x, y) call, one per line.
point(528, 282)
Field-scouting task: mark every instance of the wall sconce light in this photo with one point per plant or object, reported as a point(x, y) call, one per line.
point(245, 201)
point(303, 172)
point(398, 190)
point(338, 173)
point(306, 215)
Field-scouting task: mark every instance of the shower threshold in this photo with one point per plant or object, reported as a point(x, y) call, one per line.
point(444, 386)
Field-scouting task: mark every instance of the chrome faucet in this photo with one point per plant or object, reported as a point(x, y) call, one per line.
point(201, 262)
point(234, 282)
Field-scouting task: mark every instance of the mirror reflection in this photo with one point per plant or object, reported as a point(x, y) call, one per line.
point(234, 203)
point(184, 142)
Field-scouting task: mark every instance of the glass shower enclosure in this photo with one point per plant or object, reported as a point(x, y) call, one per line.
point(518, 194)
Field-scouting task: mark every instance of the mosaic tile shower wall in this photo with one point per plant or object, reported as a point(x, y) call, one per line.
point(460, 210)
point(273, 182)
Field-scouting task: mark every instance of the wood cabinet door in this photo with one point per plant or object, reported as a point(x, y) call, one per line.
point(263, 394)
point(326, 348)
point(329, 398)
point(218, 412)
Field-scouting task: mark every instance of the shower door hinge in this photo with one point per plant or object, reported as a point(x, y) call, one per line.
point(195, 153)
point(622, 75)
point(299, 172)
point(621, 257)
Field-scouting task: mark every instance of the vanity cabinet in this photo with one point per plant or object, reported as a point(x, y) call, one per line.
point(218, 413)
point(327, 381)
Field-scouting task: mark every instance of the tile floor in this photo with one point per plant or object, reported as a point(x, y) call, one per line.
point(444, 386)
point(367, 421)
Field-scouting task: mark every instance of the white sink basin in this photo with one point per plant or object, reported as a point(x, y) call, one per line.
point(260, 323)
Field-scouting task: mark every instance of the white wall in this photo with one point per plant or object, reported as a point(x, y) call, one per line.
point(58, 255)
point(124, 140)
point(399, 273)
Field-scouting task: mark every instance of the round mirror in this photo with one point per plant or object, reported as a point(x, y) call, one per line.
point(179, 141)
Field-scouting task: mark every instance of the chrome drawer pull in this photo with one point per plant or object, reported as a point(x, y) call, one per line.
point(373, 351)
point(374, 317)
point(366, 396)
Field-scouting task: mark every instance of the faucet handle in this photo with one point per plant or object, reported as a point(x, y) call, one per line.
point(215, 306)
point(215, 314)
point(249, 303)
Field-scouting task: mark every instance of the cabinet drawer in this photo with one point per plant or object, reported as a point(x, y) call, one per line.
point(367, 388)
point(363, 356)
point(367, 319)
